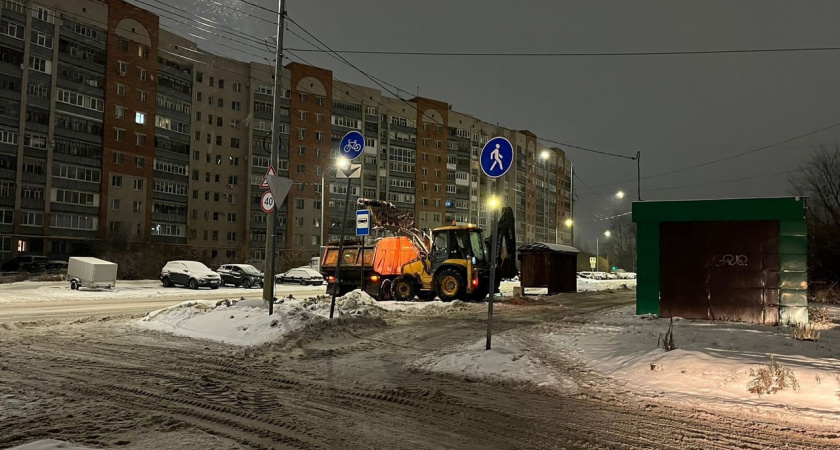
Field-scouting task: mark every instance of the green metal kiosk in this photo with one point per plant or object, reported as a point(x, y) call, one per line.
point(740, 260)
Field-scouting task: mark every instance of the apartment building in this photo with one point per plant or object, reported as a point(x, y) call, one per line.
point(113, 130)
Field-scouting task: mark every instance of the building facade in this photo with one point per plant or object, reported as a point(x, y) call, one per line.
point(114, 130)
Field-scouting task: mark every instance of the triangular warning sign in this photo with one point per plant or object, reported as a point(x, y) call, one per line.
point(270, 171)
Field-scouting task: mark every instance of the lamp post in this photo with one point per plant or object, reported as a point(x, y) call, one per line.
point(598, 250)
point(545, 155)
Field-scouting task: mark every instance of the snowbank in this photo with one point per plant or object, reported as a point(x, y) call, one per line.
point(508, 360)
point(248, 323)
point(712, 361)
point(49, 444)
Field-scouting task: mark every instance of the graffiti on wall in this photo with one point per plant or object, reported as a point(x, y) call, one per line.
point(729, 260)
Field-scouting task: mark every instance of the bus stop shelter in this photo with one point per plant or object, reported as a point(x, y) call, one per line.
point(550, 266)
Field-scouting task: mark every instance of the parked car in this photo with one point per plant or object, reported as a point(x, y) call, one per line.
point(56, 266)
point(302, 275)
point(243, 275)
point(593, 275)
point(627, 275)
point(191, 274)
point(610, 276)
point(25, 263)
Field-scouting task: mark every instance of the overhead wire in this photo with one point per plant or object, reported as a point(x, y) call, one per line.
point(580, 54)
point(343, 59)
point(710, 183)
point(727, 158)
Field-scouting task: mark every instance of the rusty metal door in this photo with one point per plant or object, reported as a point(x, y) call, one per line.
point(720, 270)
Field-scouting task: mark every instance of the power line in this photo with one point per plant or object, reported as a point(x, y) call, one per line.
point(587, 149)
point(232, 36)
point(212, 23)
point(727, 158)
point(343, 59)
point(577, 54)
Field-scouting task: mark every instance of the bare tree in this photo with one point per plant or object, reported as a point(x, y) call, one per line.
point(622, 246)
point(819, 181)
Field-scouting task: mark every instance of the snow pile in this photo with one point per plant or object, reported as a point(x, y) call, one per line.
point(247, 322)
point(49, 444)
point(508, 360)
point(587, 284)
point(712, 361)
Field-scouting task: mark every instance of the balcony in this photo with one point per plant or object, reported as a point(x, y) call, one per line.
point(172, 218)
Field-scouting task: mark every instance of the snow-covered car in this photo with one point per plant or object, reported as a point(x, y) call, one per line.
point(627, 275)
point(302, 275)
point(25, 263)
point(610, 276)
point(243, 275)
point(191, 274)
point(593, 275)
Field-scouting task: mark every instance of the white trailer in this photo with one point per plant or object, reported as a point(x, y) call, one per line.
point(91, 272)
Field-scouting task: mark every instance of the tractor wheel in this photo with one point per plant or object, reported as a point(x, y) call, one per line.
point(403, 289)
point(449, 284)
point(385, 291)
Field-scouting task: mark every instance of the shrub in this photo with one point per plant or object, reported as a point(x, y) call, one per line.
point(771, 378)
point(805, 332)
point(819, 315)
point(668, 340)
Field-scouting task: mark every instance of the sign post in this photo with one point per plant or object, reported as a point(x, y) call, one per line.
point(496, 159)
point(350, 147)
point(363, 230)
point(278, 190)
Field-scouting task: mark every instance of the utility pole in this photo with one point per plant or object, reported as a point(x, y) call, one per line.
point(276, 142)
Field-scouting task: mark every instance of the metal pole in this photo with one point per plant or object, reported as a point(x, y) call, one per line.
point(545, 199)
point(493, 244)
point(271, 242)
point(362, 265)
point(340, 249)
point(597, 253)
point(323, 208)
point(639, 174)
point(572, 202)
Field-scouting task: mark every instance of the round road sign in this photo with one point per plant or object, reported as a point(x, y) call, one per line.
point(496, 157)
point(352, 145)
point(267, 202)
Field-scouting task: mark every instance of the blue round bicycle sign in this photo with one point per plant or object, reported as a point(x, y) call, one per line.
point(352, 145)
point(496, 157)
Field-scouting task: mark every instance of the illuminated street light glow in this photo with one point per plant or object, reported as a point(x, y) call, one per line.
point(342, 162)
point(607, 233)
point(569, 223)
point(493, 202)
point(545, 154)
point(619, 194)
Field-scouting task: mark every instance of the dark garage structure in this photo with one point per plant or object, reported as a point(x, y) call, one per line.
point(740, 260)
point(551, 266)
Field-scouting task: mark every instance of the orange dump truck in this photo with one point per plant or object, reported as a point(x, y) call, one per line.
point(372, 267)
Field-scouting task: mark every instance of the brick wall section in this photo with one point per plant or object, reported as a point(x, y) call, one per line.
point(309, 160)
point(437, 132)
point(119, 11)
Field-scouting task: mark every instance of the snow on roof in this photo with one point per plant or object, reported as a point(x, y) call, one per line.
point(544, 246)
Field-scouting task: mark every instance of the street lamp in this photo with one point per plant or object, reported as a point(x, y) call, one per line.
point(619, 195)
point(598, 250)
point(544, 155)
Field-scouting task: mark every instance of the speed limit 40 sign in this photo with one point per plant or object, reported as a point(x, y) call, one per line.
point(267, 202)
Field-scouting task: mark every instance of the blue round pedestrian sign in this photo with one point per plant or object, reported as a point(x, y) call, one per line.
point(352, 145)
point(496, 157)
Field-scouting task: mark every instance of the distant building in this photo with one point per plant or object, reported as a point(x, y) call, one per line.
point(113, 129)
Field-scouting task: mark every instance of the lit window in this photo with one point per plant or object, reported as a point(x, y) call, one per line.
point(140, 118)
